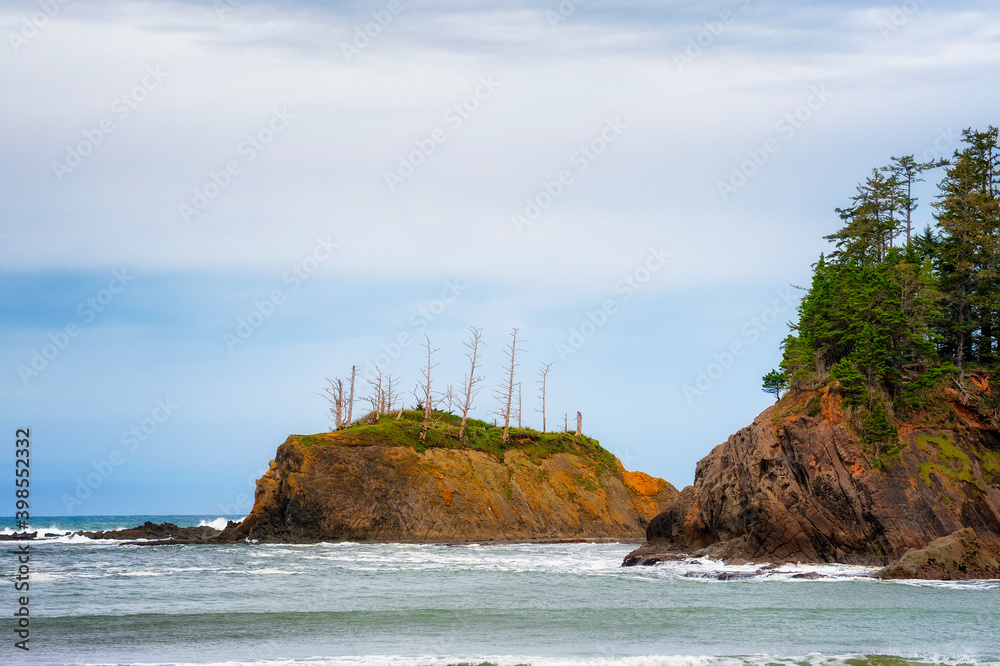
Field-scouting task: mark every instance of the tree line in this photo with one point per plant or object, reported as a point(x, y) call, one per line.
point(891, 313)
point(384, 396)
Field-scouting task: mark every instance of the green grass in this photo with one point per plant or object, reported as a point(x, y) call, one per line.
point(479, 435)
point(951, 461)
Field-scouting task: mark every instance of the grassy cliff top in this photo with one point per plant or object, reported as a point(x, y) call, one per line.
point(443, 433)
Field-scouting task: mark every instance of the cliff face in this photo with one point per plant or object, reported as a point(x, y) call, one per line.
point(317, 488)
point(805, 488)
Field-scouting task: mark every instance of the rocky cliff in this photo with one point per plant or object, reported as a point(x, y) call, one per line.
point(800, 484)
point(379, 483)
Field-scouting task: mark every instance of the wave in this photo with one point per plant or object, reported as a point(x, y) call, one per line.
point(634, 660)
point(218, 523)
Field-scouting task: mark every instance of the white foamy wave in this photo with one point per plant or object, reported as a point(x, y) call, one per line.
point(7, 531)
point(217, 524)
point(636, 660)
point(977, 584)
point(708, 569)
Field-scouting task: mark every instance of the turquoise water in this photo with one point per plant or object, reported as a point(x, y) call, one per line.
point(101, 602)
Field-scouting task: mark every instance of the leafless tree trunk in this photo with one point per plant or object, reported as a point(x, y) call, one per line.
point(519, 404)
point(350, 401)
point(505, 394)
point(335, 396)
point(565, 422)
point(377, 398)
point(579, 424)
point(450, 398)
point(390, 397)
point(475, 337)
point(544, 373)
point(374, 414)
point(427, 388)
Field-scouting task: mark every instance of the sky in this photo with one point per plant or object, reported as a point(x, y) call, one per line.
point(208, 208)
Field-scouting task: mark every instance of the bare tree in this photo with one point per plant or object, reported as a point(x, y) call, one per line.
point(505, 393)
point(334, 393)
point(377, 398)
point(544, 374)
point(426, 372)
point(565, 422)
point(472, 380)
point(450, 399)
point(390, 396)
point(519, 403)
point(350, 400)
point(579, 424)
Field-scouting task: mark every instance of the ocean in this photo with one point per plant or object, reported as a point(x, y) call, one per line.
point(99, 602)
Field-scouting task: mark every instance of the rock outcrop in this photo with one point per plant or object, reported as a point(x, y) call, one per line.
point(958, 556)
point(804, 487)
point(330, 487)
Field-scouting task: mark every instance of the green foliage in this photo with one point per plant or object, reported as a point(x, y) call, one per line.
point(774, 382)
point(479, 436)
point(879, 429)
point(850, 382)
point(892, 323)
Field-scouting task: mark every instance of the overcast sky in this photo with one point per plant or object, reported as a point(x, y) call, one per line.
point(208, 208)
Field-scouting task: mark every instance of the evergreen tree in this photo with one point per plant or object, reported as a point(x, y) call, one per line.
point(774, 382)
point(969, 226)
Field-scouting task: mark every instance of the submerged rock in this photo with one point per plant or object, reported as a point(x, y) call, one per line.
point(958, 556)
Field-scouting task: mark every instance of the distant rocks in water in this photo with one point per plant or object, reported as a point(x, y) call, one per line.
point(149, 531)
point(159, 532)
point(19, 536)
point(800, 485)
point(958, 556)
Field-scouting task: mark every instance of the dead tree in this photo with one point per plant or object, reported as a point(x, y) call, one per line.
point(472, 380)
point(377, 398)
point(426, 372)
point(565, 422)
point(505, 393)
point(390, 396)
point(519, 403)
point(579, 424)
point(334, 393)
point(450, 398)
point(544, 373)
point(350, 400)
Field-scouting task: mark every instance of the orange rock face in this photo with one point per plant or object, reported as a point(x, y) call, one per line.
point(329, 491)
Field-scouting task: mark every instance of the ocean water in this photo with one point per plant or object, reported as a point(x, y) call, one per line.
point(99, 602)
